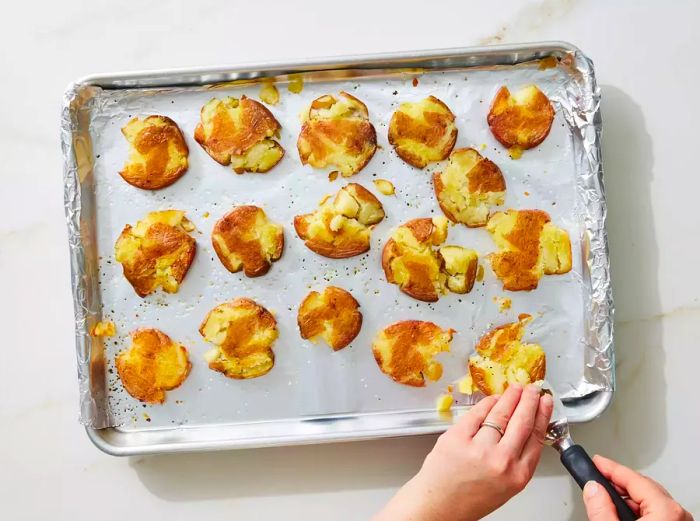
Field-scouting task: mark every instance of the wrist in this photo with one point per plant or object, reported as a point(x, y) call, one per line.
point(436, 500)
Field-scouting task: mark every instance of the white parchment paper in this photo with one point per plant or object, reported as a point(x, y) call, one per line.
point(309, 379)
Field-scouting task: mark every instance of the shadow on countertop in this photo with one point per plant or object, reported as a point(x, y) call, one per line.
point(631, 431)
point(385, 463)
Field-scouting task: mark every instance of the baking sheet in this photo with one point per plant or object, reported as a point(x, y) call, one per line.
point(310, 381)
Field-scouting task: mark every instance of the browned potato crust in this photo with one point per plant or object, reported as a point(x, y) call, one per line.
point(158, 251)
point(245, 239)
point(405, 350)
point(468, 187)
point(158, 153)
point(502, 358)
point(337, 132)
point(522, 120)
point(239, 132)
point(341, 226)
point(411, 261)
point(423, 131)
point(152, 365)
point(530, 247)
point(333, 315)
point(242, 332)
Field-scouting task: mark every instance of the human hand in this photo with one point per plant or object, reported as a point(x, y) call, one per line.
point(647, 498)
point(472, 470)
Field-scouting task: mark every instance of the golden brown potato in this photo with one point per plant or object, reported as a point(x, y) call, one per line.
point(501, 359)
point(245, 240)
point(405, 350)
point(341, 226)
point(333, 315)
point(468, 187)
point(411, 260)
point(423, 131)
point(337, 131)
point(239, 132)
point(158, 251)
point(530, 247)
point(522, 120)
point(242, 332)
point(152, 365)
point(158, 153)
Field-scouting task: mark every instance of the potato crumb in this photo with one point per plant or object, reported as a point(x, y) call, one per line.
point(106, 328)
point(515, 152)
point(444, 402)
point(296, 83)
point(504, 303)
point(332, 176)
point(384, 186)
point(205, 214)
point(269, 93)
point(548, 63)
point(527, 194)
point(415, 82)
point(480, 273)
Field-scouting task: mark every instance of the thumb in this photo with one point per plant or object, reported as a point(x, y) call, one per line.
point(599, 506)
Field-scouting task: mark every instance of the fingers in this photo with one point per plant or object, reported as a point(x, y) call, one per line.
point(523, 421)
point(637, 486)
point(500, 415)
point(599, 506)
point(533, 447)
point(469, 424)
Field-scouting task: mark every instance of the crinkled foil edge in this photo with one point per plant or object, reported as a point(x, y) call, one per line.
point(584, 119)
point(78, 198)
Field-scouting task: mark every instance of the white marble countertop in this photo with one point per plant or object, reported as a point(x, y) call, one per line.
point(644, 55)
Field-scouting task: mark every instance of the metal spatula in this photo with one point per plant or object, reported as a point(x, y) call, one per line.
point(575, 458)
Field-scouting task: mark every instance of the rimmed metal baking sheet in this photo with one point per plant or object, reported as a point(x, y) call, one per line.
point(313, 395)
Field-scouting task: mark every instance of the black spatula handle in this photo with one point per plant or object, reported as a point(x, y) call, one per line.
point(583, 470)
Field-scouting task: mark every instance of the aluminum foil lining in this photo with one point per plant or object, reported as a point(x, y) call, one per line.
point(563, 176)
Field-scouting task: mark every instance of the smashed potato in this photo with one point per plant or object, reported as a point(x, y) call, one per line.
point(337, 131)
point(468, 187)
point(501, 359)
point(423, 131)
point(530, 247)
point(522, 120)
point(341, 226)
point(158, 154)
point(152, 365)
point(333, 315)
point(244, 239)
point(239, 132)
point(422, 271)
point(405, 351)
point(242, 333)
point(157, 252)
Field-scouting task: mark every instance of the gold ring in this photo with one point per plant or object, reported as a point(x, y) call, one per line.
point(494, 426)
